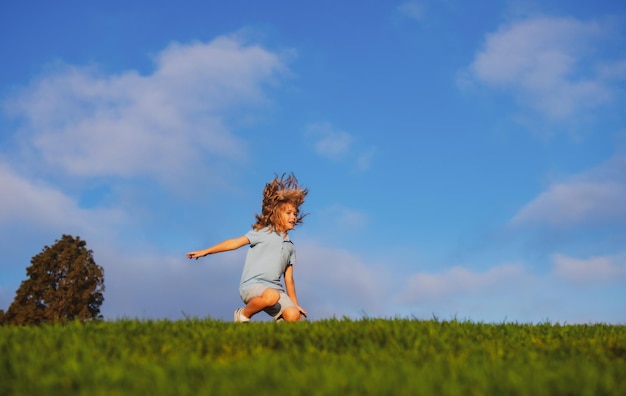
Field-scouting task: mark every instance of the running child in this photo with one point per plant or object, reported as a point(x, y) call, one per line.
point(271, 254)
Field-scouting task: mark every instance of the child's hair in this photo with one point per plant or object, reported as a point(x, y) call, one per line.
point(280, 191)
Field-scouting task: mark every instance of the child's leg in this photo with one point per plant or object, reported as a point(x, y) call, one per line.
point(285, 309)
point(291, 314)
point(268, 298)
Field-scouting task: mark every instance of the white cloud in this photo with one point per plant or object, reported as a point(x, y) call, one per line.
point(329, 141)
point(510, 292)
point(593, 270)
point(546, 64)
point(160, 125)
point(570, 203)
point(38, 204)
point(148, 285)
point(460, 282)
point(613, 70)
point(364, 159)
point(342, 218)
point(591, 197)
point(412, 10)
point(337, 145)
point(336, 282)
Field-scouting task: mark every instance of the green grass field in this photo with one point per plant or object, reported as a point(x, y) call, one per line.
point(329, 357)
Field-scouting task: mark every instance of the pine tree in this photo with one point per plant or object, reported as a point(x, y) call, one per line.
point(64, 284)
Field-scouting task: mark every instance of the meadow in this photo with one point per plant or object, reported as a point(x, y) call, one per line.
point(327, 357)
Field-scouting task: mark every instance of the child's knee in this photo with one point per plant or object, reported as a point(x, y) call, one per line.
point(270, 296)
point(291, 314)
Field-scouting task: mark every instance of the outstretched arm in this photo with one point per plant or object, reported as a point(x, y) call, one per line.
point(229, 244)
point(290, 285)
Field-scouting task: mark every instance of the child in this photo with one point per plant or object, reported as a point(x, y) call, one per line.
point(271, 254)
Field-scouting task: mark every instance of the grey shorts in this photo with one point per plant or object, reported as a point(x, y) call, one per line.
point(275, 311)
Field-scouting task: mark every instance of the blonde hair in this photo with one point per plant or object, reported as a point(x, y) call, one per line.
point(280, 191)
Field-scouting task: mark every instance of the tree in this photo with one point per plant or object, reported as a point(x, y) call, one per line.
point(64, 284)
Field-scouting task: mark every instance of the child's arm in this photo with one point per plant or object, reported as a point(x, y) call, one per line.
point(290, 285)
point(229, 244)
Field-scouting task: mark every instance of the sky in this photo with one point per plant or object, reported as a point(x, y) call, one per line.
point(464, 161)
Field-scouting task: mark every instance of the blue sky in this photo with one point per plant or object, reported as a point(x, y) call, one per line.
point(464, 161)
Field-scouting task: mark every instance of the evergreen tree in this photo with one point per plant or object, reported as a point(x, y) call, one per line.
point(64, 284)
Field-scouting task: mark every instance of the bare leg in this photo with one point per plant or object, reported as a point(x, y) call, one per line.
point(291, 314)
point(269, 298)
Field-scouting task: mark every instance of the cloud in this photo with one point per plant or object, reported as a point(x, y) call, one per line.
point(596, 196)
point(146, 285)
point(337, 145)
point(613, 70)
point(593, 270)
point(335, 282)
point(36, 203)
point(342, 218)
point(511, 292)
point(328, 141)
point(571, 203)
point(460, 282)
point(552, 65)
point(88, 124)
point(412, 10)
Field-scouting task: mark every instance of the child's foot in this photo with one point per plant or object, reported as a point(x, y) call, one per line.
point(240, 317)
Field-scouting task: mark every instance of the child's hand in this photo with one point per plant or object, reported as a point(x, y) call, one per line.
point(302, 311)
point(195, 255)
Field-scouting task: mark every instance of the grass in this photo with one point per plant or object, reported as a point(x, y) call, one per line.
point(328, 357)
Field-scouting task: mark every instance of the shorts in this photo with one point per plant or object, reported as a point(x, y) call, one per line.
point(275, 311)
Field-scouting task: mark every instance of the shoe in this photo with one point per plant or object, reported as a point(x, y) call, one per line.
point(239, 317)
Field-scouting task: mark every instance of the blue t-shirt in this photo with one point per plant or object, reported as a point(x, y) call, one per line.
point(268, 257)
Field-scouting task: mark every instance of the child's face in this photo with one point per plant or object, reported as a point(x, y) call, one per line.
point(288, 215)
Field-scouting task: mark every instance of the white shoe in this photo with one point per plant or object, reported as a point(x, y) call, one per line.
point(239, 316)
